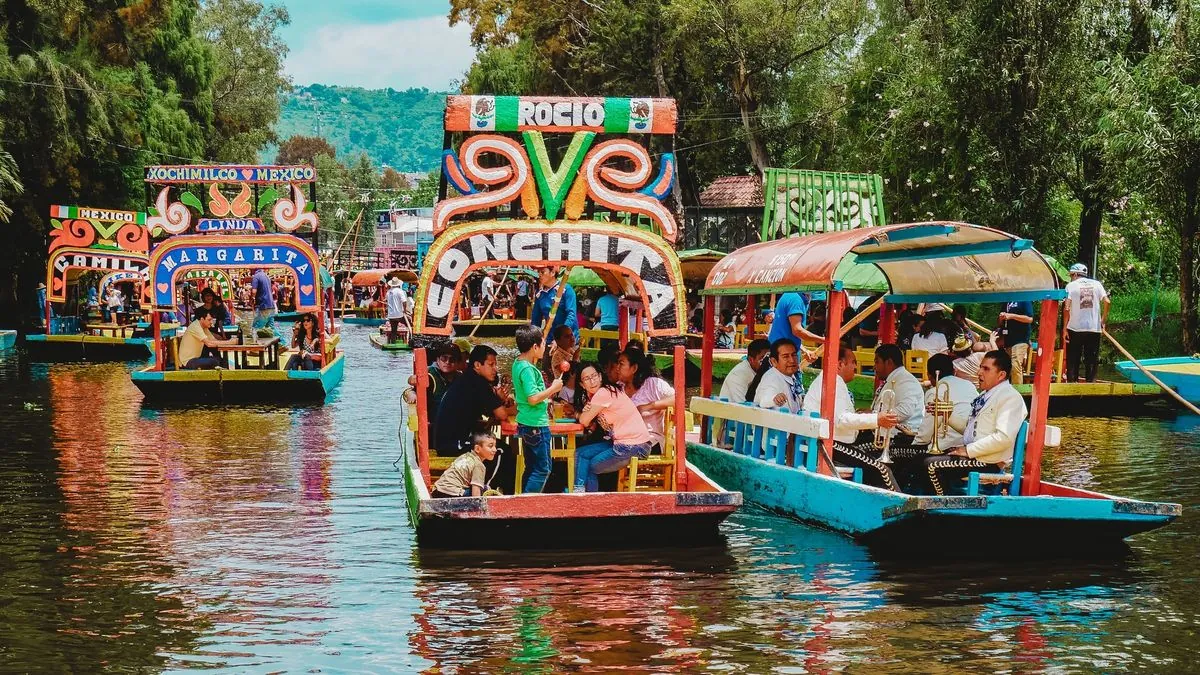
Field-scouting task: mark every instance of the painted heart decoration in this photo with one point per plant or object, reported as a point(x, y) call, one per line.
point(163, 288)
point(306, 289)
point(247, 173)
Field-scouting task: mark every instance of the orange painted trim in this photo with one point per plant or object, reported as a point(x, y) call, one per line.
point(590, 505)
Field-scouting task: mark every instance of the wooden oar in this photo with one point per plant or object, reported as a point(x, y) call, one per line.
point(489, 307)
point(1182, 401)
point(862, 315)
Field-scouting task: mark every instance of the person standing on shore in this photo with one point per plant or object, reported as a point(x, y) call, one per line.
point(1016, 321)
point(1085, 314)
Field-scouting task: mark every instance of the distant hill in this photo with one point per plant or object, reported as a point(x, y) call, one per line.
point(400, 128)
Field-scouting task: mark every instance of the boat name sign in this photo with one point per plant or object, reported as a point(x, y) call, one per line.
point(531, 248)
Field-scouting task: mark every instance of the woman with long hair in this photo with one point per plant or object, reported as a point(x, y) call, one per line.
point(306, 338)
point(650, 393)
point(627, 436)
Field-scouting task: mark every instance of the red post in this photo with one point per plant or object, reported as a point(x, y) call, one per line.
point(829, 371)
point(421, 368)
point(1039, 406)
point(156, 327)
point(887, 324)
point(680, 416)
point(623, 324)
point(707, 345)
point(751, 317)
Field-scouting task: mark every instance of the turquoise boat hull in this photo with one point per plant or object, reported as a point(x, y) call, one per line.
point(1185, 383)
point(361, 321)
point(51, 348)
point(8, 339)
point(966, 526)
point(239, 386)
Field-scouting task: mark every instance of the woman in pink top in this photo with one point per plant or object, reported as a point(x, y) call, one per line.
point(650, 393)
point(627, 434)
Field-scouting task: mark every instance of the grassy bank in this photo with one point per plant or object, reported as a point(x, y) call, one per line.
point(1129, 323)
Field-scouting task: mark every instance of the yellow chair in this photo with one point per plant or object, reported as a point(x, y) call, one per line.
point(656, 472)
point(865, 358)
point(915, 361)
point(561, 447)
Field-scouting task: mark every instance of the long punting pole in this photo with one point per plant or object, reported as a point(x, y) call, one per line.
point(680, 414)
point(708, 343)
point(49, 323)
point(829, 371)
point(1039, 405)
point(421, 368)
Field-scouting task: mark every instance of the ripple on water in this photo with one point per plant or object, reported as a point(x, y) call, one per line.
point(261, 538)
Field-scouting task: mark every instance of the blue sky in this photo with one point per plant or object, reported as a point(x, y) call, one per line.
point(375, 43)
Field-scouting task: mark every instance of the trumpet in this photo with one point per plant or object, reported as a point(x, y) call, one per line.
point(941, 409)
point(883, 437)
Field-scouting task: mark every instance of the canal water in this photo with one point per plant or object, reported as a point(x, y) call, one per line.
point(269, 539)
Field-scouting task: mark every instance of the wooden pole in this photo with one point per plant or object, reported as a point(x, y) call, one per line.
point(156, 327)
point(681, 476)
point(862, 315)
point(829, 373)
point(622, 323)
point(1039, 405)
point(421, 368)
point(707, 344)
point(496, 294)
point(1182, 401)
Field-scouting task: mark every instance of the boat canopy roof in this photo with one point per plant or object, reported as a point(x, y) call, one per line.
point(913, 262)
point(697, 262)
point(372, 277)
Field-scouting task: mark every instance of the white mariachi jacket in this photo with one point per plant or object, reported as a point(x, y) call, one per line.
point(997, 426)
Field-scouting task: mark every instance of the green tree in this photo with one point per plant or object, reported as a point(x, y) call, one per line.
point(247, 74)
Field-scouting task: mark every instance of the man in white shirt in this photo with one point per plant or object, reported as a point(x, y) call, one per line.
point(781, 386)
point(521, 303)
point(737, 382)
point(1084, 315)
point(908, 400)
point(990, 434)
point(961, 392)
point(847, 423)
point(397, 300)
point(487, 290)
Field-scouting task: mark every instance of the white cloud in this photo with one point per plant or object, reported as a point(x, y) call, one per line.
point(424, 52)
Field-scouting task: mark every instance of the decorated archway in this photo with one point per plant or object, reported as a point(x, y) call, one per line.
point(70, 259)
point(640, 255)
point(180, 254)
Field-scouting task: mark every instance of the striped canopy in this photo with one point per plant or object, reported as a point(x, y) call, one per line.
point(915, 262)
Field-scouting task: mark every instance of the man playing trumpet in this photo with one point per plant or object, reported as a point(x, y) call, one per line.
point(906, 399)
point(990, 433)
point(947, 407)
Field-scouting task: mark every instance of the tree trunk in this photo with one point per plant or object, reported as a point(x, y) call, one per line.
point(1187, 268)
point(1089, 234)
point(748, 106)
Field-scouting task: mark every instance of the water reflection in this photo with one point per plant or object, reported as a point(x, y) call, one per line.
point(252, 539)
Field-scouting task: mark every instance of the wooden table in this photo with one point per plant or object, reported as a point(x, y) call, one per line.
point(558, 429)
point(111, 329)
point(268, 347)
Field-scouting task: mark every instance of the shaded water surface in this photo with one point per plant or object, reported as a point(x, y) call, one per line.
point(275, 539)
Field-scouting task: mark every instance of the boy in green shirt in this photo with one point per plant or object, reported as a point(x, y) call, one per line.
point(533, 418)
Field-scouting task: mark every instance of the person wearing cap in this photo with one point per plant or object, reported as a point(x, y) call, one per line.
point(441, 373)
point(1085, 314)
point(1016, 322)
point(397, 299)
point(968, 355)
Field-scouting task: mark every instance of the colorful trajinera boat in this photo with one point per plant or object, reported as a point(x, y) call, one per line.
point(104, 242)
point(374, 312)
point(230, 235)
point(1181, 373)
point(666, 500)
point(782, 461)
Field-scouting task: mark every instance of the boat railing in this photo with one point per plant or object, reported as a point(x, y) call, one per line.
point(792, 439)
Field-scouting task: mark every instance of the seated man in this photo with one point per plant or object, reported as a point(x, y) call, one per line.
point(737, 382)
point(847, 423)
point(196, 338)
point(441, 373)
point(470, 404)
point(991, 430)
point(941, 373)
point(908, 400)
point(781, 386)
